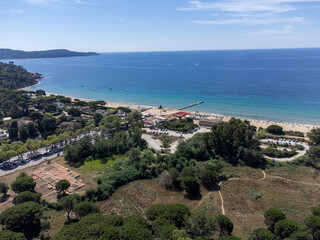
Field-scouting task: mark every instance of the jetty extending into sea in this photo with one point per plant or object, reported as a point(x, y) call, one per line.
point(191, 105)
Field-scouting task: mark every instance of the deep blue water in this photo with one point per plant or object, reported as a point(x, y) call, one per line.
point(282, 85)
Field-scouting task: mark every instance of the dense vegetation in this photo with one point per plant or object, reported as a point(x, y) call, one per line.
point(18, 54)
point(182, 125)
point(13, 76)
point(198, 163)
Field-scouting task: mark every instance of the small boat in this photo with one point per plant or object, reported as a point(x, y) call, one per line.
point(110, 88)
point(197, 64)
point(81, 85)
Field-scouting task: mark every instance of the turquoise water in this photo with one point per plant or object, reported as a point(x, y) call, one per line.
point(280, 85)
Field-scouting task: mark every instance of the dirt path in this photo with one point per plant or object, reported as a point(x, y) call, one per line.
point(260, 179)
point(222, 201)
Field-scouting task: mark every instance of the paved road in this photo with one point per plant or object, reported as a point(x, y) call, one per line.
point(38, 161)
point(152, 143)
point(300, 153)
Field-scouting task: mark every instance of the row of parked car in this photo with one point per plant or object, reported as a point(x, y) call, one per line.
point(31, 157)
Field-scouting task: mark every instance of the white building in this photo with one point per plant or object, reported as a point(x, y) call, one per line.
point(3, 134)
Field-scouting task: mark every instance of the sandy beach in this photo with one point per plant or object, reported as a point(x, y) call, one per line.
point(305, 128)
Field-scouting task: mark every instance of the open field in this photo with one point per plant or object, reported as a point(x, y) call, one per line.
point(246, 197)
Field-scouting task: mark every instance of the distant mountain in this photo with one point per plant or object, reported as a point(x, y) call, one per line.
point(56, 53)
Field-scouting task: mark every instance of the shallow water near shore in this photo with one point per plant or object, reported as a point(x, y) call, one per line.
point(277, 85)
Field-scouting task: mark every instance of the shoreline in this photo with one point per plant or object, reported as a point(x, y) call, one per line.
point(263, 123)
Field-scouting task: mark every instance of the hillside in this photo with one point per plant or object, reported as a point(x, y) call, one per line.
point(14, 77)
point(56, 53)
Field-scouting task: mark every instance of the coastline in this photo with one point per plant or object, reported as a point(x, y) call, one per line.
point(263, 123)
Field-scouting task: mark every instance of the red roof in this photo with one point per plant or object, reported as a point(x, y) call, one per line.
point(181, 113)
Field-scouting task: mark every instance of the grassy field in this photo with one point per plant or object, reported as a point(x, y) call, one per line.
point(246, 197)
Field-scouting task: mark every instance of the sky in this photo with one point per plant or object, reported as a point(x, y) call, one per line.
point(158, 25)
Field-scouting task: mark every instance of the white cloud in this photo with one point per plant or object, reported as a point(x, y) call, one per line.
point(251, 12)
point(85, 3)
point(276, 6)
point(285, 29)
point(120, 19)
point(42, 2)
point(250, 21)
point(17, 10)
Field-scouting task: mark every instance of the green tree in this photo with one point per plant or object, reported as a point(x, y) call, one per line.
point(272, 216)
point(21, 216)
point(313, 223)
point(262, 234)
point(284, 228)
point(180, 235)
point(130, 232)
point(62, 185)
point(314, 136)
point(191, 185)
point(187, 171)
point(23, 133)
point(174, 178)
point(28, 196)
point(209, 178)
point(84, 208)
point(154, 211)
point(315, 211)
point(75, 112)
point(178, 213)
point(67, 203)
point(13, 131)
point(200, 224)
point(313, 157)
point(49, 125)
point(32, 145)
point(9, 235)
point(224, 224)
point(97, 119)
point(4, 188)
point(32, 130)
point(23, 184)
point(275, 129)
point(226, 138)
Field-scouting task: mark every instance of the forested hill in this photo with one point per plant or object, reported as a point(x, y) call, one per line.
point(14, 77)
point(56, 53)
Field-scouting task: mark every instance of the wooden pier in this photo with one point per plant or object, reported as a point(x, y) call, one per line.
point(191, 105)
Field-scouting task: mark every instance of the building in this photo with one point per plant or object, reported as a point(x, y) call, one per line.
point(181, 114)
point(3, 134)
point(209, 122)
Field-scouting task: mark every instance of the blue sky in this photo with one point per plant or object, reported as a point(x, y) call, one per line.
point(158, 25)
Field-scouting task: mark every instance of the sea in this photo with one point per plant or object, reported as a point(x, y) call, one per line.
point(276, 85)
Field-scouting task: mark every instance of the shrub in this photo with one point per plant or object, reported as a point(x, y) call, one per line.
point(200, 224)
point(272, 216)
point(4, 188)
point(275, 129)
point(262, 234)
point(22, 184)
point(284, 228)
point(28, 196)
point(20, 216)
point(224, 224)
point(191, 185)
point(9, 235)
point(154, 211)
point(84, 208)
